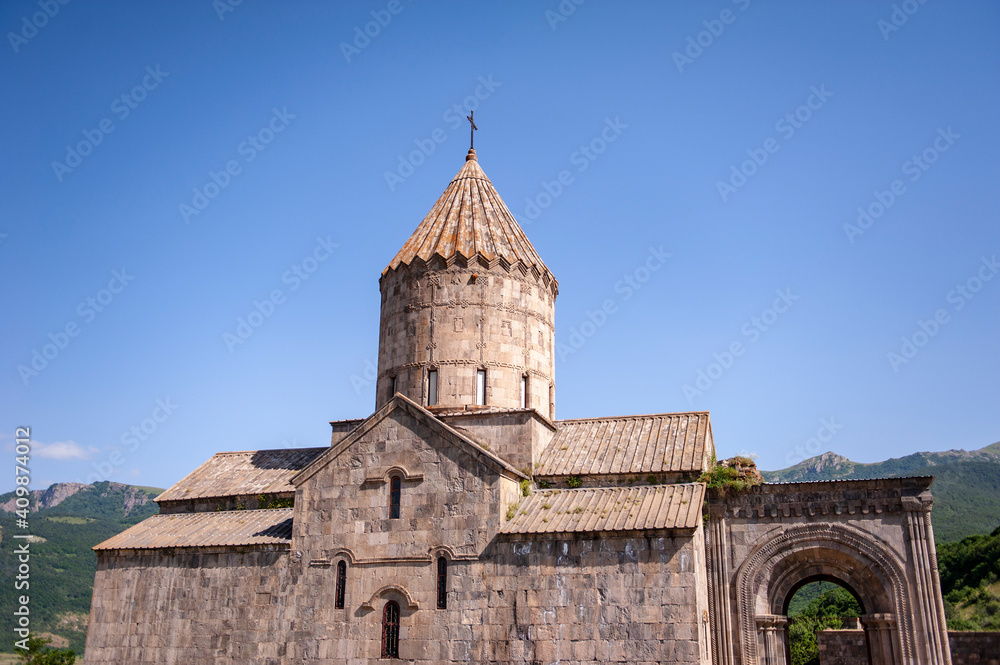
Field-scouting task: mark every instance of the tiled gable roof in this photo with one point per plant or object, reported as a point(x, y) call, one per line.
point(609, 509)
point(242, 473)
point(216, 529)
point(634, 445)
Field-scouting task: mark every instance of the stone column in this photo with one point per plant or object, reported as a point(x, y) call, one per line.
point(928, 607)
point(880, 630)
point(720, 602)
point(772, 639)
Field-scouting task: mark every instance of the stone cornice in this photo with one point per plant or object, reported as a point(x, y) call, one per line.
point(825, 499)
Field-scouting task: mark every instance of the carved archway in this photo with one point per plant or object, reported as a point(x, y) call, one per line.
point(857, 559)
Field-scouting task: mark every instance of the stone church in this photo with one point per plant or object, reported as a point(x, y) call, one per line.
point(462, 522)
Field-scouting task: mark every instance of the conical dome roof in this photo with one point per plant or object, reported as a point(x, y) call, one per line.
point(469, 220)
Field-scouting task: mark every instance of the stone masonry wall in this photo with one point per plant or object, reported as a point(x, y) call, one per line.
point(458, 320)
point(194, 608)
point(580, 600)
point(517, 437)
point(847, 647)
point(974, 648)
point(451, 498)
point(842, 647)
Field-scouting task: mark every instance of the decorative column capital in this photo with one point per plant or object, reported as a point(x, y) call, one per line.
point(922, 503)
point(879, 622)
point(769, 622)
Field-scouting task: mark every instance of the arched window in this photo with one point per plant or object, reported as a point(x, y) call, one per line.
point(390, 630)
point(395, 489)
point(341, 584)
point(442, 583)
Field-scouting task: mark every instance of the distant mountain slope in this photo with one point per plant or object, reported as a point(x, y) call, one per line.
point(67, 520)
point(966, 484)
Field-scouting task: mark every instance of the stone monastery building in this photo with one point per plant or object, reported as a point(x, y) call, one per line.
point(461, 522)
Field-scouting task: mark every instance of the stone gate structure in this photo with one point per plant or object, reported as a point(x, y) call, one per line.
point(872, 536)
point(462, 522)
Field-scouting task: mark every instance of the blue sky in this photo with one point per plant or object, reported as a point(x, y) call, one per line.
point(167, 165)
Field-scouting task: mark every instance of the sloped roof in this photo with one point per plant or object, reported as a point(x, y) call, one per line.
point(609, 509)
point(456, 436)
point(216, 529)
point(242, 473)
point(470, 219)
point(666, 442)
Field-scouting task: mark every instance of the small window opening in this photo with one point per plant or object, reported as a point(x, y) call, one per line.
point(390, 630)
point(392, 386)
point(432, 387)
point(341, 584)
point(481, 387)
point(395, 489)
point(524, 392)
point(442, 583)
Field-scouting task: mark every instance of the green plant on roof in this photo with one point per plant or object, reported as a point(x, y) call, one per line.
point(574, 482)
point(525, 487)
point(651, 479)
point(578, 510)
point(731, 476)
point(544, 484)
point(512, 510)
point(546, 506)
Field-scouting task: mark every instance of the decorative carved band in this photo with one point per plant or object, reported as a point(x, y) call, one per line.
point(818, 508)
point(395, 369)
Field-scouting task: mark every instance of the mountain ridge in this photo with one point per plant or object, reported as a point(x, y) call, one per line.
point(966, 488)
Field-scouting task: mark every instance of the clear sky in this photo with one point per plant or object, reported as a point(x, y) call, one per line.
point(167, 165)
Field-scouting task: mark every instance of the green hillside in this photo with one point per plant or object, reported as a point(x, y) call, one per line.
point(966, 484)
point(62, 563)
